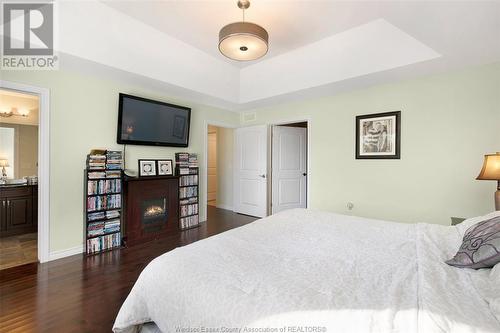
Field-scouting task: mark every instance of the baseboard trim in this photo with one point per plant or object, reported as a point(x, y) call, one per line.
point(65, 253)
point(226, 207)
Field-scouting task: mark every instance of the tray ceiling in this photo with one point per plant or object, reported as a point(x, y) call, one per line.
point(316, 47)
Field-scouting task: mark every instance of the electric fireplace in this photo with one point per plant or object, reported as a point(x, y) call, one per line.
point(151, 208)
point(154, 214)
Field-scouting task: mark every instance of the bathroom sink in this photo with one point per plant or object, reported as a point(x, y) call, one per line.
point(15, 182)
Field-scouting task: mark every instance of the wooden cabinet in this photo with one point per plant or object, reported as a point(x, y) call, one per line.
point(18, 210)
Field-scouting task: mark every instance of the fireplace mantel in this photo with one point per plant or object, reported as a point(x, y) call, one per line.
point(151, 208)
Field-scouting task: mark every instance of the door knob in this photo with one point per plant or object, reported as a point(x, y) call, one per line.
point(304, 174)
point(262, 176)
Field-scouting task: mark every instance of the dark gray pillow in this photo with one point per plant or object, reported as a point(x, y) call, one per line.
point(480, 246)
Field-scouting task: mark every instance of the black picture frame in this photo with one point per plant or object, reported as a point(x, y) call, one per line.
point(141, 171)
point(363, 120)
point(159, 170)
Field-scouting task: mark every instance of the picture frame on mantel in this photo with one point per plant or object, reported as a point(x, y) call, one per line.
point(378, 136)
point(147, 168)
point(165, 167)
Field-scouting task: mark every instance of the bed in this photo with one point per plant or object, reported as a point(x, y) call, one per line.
point(312, 271)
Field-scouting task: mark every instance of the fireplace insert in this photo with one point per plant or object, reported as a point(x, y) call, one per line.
point(154, 214)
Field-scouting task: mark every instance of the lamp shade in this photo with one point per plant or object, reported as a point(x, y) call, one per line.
point(491, 168)
point(243, 41)
point(4, 162)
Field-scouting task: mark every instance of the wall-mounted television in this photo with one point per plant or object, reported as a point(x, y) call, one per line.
point(143, 121)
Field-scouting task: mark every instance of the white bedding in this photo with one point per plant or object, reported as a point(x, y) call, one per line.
point(302, 270)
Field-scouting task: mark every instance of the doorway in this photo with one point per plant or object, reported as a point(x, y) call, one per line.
point(219, 167)
point(212, 166)
point(271, 168)
point(19, 133)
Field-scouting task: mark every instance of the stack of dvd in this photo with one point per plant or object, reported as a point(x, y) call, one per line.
point(186, 164)
point(114, 160)
point(96, 160)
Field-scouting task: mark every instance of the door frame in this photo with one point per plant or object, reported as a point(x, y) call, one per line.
point(307, 120)
point(43, 162)
point(204, 172)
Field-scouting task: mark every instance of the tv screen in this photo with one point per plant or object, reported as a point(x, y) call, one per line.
point(143, 121)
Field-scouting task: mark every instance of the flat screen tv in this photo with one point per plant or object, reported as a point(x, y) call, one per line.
point(143, 121)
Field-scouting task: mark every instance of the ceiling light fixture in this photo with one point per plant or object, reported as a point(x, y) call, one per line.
point(243, 41)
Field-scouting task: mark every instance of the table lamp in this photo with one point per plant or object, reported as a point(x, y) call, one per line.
point(491, 171)
point(4, 163)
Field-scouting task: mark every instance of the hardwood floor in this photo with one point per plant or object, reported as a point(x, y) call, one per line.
point(18, 250)
point(84, 294)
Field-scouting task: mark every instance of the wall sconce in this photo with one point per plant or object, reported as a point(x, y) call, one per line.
point(23, 112)
point(14, 112)
point(6, 114)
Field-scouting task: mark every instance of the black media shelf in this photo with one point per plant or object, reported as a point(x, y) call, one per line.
point(96, 203)
point(186, 167)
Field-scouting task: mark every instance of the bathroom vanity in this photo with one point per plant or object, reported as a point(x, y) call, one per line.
point(18, 209)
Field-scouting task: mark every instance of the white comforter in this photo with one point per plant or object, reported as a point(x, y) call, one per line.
point(310, 271)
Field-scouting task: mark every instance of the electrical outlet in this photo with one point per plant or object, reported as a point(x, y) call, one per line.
point(350, 205)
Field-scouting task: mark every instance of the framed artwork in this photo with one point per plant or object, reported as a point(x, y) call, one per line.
point(378, 136)
point(147, 168)
point(165, 168)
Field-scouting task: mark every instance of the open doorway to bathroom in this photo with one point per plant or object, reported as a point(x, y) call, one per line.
point(19, 127)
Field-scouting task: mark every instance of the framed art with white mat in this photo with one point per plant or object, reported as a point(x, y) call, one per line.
point(378, 136)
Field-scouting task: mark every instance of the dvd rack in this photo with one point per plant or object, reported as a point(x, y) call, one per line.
point(186, 167)
point(103, 201)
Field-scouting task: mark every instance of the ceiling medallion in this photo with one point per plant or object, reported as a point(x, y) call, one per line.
point(243, 41)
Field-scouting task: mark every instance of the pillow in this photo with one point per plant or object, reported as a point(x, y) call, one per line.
point(480, 246)
point(466, 224)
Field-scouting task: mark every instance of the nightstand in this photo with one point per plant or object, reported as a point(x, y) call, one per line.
point(457, 220)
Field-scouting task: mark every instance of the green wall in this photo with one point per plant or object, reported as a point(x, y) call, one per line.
point(449, 122)
point(83, 115)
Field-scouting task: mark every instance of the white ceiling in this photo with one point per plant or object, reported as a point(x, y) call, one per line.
point(442, 25)
point(314, 45)
point(290, 24)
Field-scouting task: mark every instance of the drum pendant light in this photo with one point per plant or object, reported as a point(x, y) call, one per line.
point(243, 41)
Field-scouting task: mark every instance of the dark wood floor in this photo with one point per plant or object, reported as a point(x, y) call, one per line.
point(84, 294)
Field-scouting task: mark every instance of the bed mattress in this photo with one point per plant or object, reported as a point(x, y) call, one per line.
point(312, 271)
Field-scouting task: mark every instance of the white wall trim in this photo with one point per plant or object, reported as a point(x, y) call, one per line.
point(308, 120)
point(204, 172)
point(65, 253)
point(43, 163)
point(226, 207)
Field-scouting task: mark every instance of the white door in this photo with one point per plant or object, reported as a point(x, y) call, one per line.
point(289, 168)
point(250, 171)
